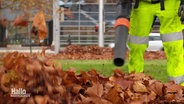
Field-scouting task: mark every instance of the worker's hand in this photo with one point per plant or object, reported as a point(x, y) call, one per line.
point(181, 12)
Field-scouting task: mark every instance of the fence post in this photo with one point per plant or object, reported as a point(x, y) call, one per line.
point(56, 27)
point(101, 26)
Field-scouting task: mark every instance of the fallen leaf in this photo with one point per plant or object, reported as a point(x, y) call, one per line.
point(113, 96)
point(96, 90)
point(41, 99)
point(138, 86)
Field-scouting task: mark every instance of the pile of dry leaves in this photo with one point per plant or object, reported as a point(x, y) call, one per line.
point(85, 52)
point(49, 84)
point(96, 52)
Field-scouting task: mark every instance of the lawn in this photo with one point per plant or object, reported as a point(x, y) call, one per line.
point(154, 68)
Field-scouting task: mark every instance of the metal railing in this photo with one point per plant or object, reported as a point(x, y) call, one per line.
point(81, 29)
point(85, 40)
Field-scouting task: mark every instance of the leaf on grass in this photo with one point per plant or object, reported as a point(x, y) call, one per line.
point(118, 72)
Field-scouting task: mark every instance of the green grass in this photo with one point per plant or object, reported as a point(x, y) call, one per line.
point(154, 68)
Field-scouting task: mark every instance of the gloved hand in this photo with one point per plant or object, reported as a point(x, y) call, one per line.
point(181, 12)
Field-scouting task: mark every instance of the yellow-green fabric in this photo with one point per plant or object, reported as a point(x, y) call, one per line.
point(136, 65)
point(174, 53)
point(141, 24)
point(141, 18)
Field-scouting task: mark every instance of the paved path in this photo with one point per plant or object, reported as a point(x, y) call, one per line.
point(24, 49)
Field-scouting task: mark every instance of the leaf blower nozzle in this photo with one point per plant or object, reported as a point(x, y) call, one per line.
point(122, 25)
point(119, 61)
point(120, 45)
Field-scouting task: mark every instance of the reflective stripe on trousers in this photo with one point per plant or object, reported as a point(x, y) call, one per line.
point(172, 37)
point(165, 38)
point(138, 39)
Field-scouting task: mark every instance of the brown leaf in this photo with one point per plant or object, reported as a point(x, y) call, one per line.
point(94, 100)
point(3, 22)
point(4, 80)
point(138, 77)
point(84, 77)
point(149, 98)
point(169, 97)
point(20, 21)
point(34, 66)
point(113, 96)
point(132, 96)
point(69, 79)
point(123, 83)
point(41, 99)
point(138, 86)
point(118, 72)
point(77, 89)
point(49, 62)
point(40, 24)
point(95, 91)
point(157, 87)
point(61, 90)
point(95, 52)
point(8, 60)
point(31, 101)
point(49, 68)
point(172, 88)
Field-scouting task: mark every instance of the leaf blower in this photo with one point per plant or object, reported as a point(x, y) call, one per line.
point(121, 26)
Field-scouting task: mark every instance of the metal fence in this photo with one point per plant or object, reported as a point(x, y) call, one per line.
point(82, 28)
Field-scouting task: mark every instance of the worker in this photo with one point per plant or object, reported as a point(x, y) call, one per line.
point(170, 13)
